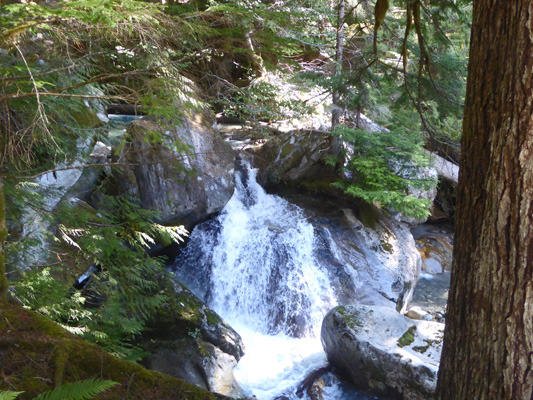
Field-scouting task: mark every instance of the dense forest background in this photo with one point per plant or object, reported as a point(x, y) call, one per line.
point(400, 64)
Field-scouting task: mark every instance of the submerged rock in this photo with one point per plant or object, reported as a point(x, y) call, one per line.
point(383, 352)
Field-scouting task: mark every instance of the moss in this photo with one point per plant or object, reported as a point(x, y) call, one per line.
point(212, 317)
point(386, 246)
point(31, 345)
point(61, 357)
point(408, 337)
point(368, 215)
point(286, 150)
point(181, 314)
point(351, 318)
point(423, 349)
point(375, 370)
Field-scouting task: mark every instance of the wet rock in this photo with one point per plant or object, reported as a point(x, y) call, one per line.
point(197, 362)
point(186, 316)
point(370, 259)
point(188, 340)
point(435, 244)
point(383, 352)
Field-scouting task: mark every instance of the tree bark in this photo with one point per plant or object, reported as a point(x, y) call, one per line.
point(488, 341)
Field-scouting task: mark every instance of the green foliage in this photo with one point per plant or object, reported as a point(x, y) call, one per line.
point(64, 57)
point(123, 293)
point(417, 74)
point(384, 167)
point(64, 60)
point(261, 101)
point(9, 395)
point(82, 390)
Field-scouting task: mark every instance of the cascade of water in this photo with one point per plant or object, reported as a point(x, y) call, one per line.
point(255, 266)
point(258, 264)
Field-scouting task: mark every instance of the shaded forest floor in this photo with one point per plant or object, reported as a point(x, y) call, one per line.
point(36, 355)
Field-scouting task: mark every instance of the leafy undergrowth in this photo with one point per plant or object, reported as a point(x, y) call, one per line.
point(36, 354)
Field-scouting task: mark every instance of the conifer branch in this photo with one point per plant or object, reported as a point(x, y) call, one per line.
point(98, 78)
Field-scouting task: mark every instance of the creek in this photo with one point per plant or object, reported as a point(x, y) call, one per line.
point(272, 275)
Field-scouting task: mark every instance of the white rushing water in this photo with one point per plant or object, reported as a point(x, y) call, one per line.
point(254, 265)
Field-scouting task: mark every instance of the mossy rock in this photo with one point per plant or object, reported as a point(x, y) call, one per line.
point(188, 340)
point(35, 353)
point(185, 316)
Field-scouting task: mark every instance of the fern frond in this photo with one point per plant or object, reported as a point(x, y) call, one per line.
point(63, 232)
point(144, 239)
point(9, 395)
point(81, 390)
point(175, 233)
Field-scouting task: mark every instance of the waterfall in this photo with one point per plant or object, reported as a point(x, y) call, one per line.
point(255, 265)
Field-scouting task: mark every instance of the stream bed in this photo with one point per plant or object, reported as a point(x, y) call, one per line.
point(272, 275)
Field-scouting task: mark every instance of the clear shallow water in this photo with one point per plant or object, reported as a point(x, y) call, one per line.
point(255, 266)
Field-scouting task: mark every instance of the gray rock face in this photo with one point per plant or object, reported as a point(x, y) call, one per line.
point(370, 259)
point(189, 341)
point(197, 362)
point(185, 187)
point(383, 352)
point(296, 156)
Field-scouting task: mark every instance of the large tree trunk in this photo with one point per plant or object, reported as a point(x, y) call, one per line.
point(488, 341)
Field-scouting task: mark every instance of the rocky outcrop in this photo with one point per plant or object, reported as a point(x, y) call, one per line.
point(297, 157)
point(370, 259)
point(383, 352)
point(189, 341)
point(184, 172)
point(196, 362)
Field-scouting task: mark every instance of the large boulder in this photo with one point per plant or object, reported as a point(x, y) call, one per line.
point(297, 157)
point(370, 258)
point(196, 362)
point(383, 352)
point(184, 172)
point(187, 340)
